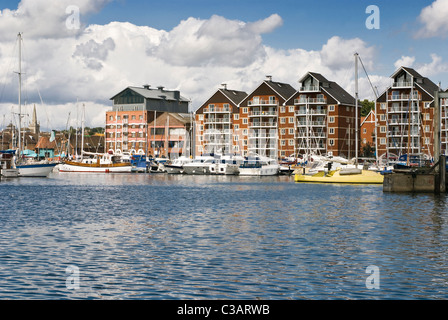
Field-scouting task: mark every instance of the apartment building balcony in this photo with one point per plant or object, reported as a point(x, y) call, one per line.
point(257, 124)
point(404, 146)
point(405, 133)
point(218, 132)
point(310, 101)
point(263, 114)
point(402, 85)
point(262, 102)
point(404, 109)
point(403, 97)
point(312, 136)
point(311, 123)
point(401, 122)
point(309, 89)
point(263, 136)
point(217, 120)
point(314, 112)
point(218, 110)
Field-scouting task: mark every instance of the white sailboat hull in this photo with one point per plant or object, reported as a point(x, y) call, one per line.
point(85, 169)
point(10, 173)
point(36, 170)
point(268, 170)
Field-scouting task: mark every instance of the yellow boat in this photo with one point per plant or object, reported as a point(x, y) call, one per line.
point(335, 176)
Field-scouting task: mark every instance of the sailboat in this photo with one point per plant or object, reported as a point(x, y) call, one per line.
point(28, 168)
point(96, 162)
point(345, 174)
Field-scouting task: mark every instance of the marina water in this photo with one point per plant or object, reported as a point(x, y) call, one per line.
point(142, 236)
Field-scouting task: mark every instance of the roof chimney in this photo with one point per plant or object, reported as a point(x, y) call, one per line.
point(269, 78)
point(160, 88)
point(146, 86)
point(224, 85)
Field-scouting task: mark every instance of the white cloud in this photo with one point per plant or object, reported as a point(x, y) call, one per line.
point(433, 18)
point(216, 41)
point(195, 57)
point(436, 66)
point(45, 19)
point(404, 61)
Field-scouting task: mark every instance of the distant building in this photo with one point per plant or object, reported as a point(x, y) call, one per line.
point(367, 133)
point(217, 120)
point(325, 117)
point(134, 109)
point(405, 115)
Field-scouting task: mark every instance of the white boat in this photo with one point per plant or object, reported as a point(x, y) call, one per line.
point(200, 165)
point(28, 168)
point(97, 163)
point(259, 166)
point(177, 165)
point(35, 169)
point(227, 165)
point(7, 165)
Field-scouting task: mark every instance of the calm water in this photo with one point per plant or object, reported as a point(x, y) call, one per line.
point(192, 237)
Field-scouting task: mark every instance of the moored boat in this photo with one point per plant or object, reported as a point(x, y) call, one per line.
point(351, 176)
point(200, 165)
point(259, 166)
point(98, 163)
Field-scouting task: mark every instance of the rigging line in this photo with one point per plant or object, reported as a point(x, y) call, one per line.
point(368, 78)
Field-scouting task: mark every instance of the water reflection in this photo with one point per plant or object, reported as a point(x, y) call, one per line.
point(168, 236)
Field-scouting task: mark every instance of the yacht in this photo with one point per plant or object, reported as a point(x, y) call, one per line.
point(200, 165)
point(259, 166)
point(177, 166)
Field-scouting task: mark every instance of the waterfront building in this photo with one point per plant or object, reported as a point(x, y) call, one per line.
point(405, 115)
point(218, 123)
point(367, 133)
point(324, 117)
point(260, 113)
point(134, 109)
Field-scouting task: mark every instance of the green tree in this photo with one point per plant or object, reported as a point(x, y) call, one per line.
point(366, 107)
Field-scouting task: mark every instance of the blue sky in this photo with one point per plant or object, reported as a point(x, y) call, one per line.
point(195, 45)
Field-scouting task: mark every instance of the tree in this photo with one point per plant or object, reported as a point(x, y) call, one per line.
point(366, 107)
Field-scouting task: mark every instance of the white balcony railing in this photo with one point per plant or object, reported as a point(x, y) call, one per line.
point(262, 102)
point(402, 84)
point(263, 114)
point(217, 110)
point(309, 89)
point(311, 123)
point(263, 124)
point(310, 101)
point(320, 112)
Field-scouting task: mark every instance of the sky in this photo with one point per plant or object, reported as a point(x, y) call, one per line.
point(83, 52)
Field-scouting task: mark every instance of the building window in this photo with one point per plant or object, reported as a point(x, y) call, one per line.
point(283, 132)
point(111, 118)
point(331, 119)
point(291, 119)
point(235, 138)
point(331, 142)
point(364, 130)
point(427, 116)
point(383, 106)
point(291, 109)
point(244, 120)
point(383, 129)
point(383, 141)
point(245, 110)
point(201, 117)
point(331, 131)
point(383, 117)
point(236, 116)
point(245, 132)
point(291, 130)
point(291, 142)
point(282, 109)
point(426, 128)
point(283, 143)
point(331, 108)
point(282, 120)
point(236, 127)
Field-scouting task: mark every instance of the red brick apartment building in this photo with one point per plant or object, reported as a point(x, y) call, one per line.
point(147, 121)
point(405, 115)
point(276, 120)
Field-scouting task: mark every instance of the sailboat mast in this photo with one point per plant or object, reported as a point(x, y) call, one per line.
point(20, 92)
point(83, 128)
point(356, 109)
